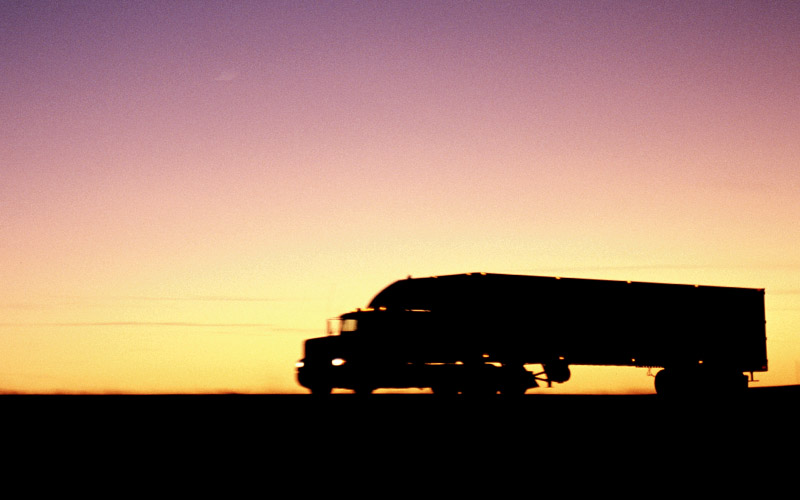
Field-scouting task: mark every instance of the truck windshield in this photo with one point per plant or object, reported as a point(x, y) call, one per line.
point(337, 326)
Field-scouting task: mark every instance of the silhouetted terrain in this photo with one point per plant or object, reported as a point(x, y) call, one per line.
point(283, 437)
point(121, 415)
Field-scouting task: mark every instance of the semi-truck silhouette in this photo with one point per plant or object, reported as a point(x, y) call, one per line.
point(481, 333)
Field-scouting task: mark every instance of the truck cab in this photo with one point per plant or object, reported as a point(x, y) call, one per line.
point(383, 348)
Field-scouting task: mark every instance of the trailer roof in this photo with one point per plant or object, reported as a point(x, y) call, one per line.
point(511, 289)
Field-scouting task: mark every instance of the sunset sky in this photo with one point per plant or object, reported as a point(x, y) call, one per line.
point(189, 189)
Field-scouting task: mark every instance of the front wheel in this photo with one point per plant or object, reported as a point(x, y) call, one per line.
point(320, 390)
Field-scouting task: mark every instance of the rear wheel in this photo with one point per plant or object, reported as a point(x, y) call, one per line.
point(664, 383)
point(695, 381)
point(444, 391)
point(728, 383)
point(516, 380)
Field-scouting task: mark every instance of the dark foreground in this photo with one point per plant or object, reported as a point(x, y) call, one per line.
point(277, 436)
point(388, 414)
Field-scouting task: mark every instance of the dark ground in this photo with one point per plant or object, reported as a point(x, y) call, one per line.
point(389, 414)
point(300, 438)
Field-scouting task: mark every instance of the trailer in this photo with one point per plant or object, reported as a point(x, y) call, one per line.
point(479, 333)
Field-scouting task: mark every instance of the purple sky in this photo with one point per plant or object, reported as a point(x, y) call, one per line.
point(289, 159)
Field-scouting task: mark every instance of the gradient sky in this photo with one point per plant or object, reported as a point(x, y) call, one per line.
point(190, 189)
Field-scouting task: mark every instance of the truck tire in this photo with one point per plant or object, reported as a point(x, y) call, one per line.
point(480, 391)
point(513, 385)
point(728, 384)
point(444, 391)
point(681, 383)
point(363, 390)
point(513, 390)
point(664, 383)
point(694, 382)
point(320, 390)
